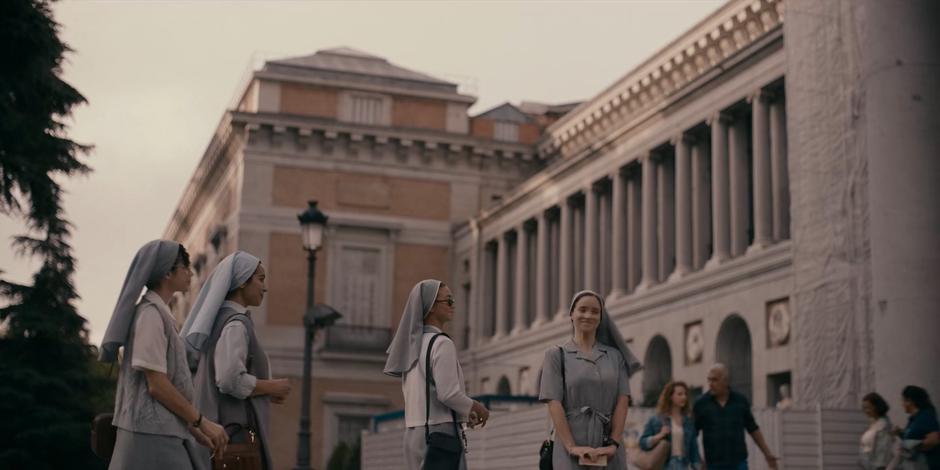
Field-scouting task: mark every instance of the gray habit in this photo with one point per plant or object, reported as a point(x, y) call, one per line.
point(594, 381)
point(226, 409)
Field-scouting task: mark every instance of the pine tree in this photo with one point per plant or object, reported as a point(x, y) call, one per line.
point(50, 384)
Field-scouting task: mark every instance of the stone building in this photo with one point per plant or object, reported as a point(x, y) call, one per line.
point(395, 161)
point(759, 192)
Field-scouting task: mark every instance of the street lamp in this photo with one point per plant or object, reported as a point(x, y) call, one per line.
point(312, 222)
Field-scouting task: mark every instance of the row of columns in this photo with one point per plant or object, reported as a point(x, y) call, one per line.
point(665, 221)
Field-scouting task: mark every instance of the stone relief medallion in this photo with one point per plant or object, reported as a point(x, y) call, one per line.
point(778, 323)
point(694, 343)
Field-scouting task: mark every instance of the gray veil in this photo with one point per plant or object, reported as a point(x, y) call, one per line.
point(231, 273)
point(406, 345)
point(152, 261)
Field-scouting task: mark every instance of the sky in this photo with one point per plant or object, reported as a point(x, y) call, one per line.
point(158, 76)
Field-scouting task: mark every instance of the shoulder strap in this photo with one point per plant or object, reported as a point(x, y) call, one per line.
point(428, 379)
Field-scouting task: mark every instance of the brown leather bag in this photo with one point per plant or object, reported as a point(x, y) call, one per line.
point(103, 436)
point(650, 460)
point(244, 455)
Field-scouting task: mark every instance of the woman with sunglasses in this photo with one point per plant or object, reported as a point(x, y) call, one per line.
point(429, 307)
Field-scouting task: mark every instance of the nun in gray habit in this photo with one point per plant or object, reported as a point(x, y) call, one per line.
point(149, 435)
point(592, 387)
point(225, 385)
point(406, 359)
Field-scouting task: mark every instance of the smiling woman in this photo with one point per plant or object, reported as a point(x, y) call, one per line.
point(586, 385)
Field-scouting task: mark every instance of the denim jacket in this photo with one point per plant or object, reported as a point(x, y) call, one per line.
point(689, 435)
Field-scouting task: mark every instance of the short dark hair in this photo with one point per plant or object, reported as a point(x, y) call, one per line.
point(918, 396)
point(878, 402)
point(182, 259)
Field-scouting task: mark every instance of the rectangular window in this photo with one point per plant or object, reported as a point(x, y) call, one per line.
point(506, 131)
point(359, 288)
point(366, 110)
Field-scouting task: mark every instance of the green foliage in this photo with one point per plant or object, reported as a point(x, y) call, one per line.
point(345, 457)
point(50, 384)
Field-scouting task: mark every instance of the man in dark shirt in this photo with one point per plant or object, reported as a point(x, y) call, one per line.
point(723, 415)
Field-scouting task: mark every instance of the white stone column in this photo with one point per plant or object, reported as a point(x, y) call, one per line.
point(521, 279)
point(739, 176)
point(542, 275)
point(666, 218)
point(650, 250)
point(618, 234)
point(701, 207)
point(565, 267)
point(477, 290)
point(720, 203)
point(634, 233)
point(591, 262)
point(763, 215)
point(603, 242)
point(683, 221)
point(780, 177)
point(502, 286)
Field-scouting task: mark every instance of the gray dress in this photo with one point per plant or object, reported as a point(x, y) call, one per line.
point(149, 435)
point(594, 382)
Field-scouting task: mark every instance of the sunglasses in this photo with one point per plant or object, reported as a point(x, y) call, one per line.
point(450, 301)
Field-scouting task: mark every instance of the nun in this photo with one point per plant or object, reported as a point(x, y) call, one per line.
point(153, 411)
point(585, 383)
point(233, 380)
point(429, 307)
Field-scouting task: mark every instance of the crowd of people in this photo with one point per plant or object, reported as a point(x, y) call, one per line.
point(192, 399)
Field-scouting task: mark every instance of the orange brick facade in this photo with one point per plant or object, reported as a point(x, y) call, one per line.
point(360, 192)
point(309, 100)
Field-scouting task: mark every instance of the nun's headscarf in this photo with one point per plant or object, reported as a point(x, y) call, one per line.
point(406, 345)
point(152, 261)
point(608, 334)
point(231, 273)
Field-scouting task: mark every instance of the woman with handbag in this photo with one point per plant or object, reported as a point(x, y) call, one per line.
point(586, 385)
point(233, 380)
point(153, 411)
point(432, 381)
point(672, 427)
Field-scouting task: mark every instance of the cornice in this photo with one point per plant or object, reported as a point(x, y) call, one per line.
point(734, 27)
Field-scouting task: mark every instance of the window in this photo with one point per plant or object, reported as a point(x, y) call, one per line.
point(506, 131)
point(366, 110)
point(350, 427)
point(362, 108)
point(359, 290)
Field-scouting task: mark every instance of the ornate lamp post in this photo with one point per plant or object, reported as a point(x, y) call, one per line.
point(312, 222)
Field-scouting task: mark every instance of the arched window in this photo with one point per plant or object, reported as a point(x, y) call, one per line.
point(503, 387)
point(657, 371)
point(734, 351)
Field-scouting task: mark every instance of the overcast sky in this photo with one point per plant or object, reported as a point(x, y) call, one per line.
point(159, 75)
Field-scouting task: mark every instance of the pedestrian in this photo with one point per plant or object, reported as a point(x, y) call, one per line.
point(153, 408)
point(435, 403)
point(877, 442)
point(233, 381)
point(673, 423)
point(920, 439)
point(723, 415)
point(585, 383)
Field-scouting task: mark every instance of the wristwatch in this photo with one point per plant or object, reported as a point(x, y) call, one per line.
point(611, 442)
point(198, 421)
